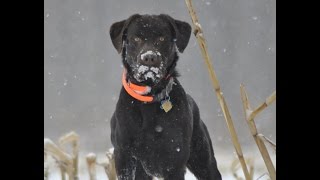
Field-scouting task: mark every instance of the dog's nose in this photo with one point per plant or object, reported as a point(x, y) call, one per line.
point(150, 59)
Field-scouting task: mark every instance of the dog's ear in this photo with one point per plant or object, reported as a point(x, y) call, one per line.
point(182, 31)
point(118, 32)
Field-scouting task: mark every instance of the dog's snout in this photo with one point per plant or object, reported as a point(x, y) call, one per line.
point(150, 59)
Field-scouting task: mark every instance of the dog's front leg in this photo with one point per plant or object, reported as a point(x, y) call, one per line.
point(125, 165)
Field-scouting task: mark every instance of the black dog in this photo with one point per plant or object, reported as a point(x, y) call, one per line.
point(156, 128)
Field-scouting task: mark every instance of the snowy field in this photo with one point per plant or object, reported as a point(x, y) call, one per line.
point(223, 160)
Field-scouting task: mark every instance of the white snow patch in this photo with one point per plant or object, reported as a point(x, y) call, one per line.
point(47, 142)
point(91, 156)
point(178, 149)
point(158, 53)
point(255, 18)
point(149, 75)
point(143, 69)
point(47, 15)
point(198, 25)
point(155, 70)
point(147, 53)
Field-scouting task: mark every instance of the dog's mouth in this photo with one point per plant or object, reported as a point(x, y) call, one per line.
point(143, 73)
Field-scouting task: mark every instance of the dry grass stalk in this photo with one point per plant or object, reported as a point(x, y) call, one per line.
point(198, 32)
point(264, 174)
point(235, 166)
point(250, 161)
point(262, 106)
point(262, 137)
point(46, 167)
point(91, 162)
point(72, 138)
point(52, 149)
point(64, 160)
point(252, 126)
point(109, 165)
point(63, 172)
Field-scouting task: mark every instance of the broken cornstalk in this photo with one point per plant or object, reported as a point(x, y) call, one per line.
point(259, 138)
point(198, 32)
point(72, 138)
point(91, 163)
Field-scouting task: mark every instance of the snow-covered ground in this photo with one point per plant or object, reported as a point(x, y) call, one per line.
point(224, 163)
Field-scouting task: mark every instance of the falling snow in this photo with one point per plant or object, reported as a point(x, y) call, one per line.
point(92, 58)
point(255, 18)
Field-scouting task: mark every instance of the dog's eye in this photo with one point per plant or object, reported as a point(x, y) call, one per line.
point(161, 38)
point(137, 39)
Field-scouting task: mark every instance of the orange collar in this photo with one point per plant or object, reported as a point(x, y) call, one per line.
point(136, 91)
point(139, 92)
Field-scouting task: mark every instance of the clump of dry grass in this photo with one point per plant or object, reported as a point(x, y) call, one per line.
point(68, 163)
point(250, 114)
point(91, 162)
point(46, 167)
point(73, 139)
point(235, 166)
point(198, 32)
point(108, 165)
point(259, 138)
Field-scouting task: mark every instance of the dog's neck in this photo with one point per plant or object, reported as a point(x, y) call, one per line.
point(142, 93)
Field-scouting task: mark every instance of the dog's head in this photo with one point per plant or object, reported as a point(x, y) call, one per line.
point(149, 45)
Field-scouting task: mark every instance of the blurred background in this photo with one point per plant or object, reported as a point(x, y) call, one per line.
point(82, 70)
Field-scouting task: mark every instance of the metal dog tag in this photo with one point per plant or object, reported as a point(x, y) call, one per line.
point(166, 105)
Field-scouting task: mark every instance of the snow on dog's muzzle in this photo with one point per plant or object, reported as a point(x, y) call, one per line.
point(150, 66)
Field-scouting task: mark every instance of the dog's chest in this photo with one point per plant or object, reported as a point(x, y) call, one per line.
point(164, 138)
point(160, 132)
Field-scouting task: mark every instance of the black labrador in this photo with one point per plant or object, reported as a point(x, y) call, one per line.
point(156, 128)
